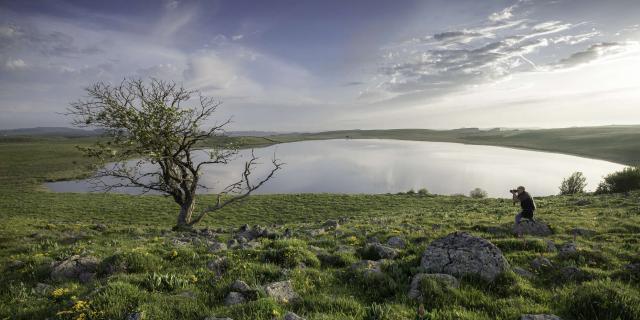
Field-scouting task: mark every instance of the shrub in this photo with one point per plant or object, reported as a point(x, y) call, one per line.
point(622, 181)
point(603, 299)
point(290, 253)
point(164, 282)
point(573, 184)
point(338, 259)
point(130, 262)
point(477, 193)
point(423, 192)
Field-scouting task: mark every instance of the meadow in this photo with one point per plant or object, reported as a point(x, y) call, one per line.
point(146, 271)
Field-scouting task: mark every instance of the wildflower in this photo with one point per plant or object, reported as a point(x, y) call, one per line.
point(193, 278)
point(80, 305)
point(275, 313)
point(59, 292)
point(173, 254)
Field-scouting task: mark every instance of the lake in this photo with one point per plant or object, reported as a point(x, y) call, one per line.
point(390, 166)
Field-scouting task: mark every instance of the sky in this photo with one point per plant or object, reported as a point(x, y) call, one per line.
point(301, 65)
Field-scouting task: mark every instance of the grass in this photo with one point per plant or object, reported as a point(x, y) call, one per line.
point(144, 269)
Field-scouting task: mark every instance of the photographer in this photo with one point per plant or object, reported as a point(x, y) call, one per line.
point(526, 203)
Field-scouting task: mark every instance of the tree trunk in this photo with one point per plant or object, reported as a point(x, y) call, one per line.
point(186, 212)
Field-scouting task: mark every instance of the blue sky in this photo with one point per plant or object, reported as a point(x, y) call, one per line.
point(321, 65)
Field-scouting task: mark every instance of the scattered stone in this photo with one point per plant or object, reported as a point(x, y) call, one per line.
point(331, 224)
point(288, 233)
point(568, 249)
point(292, 316)
point(583, 232)
point(281, 291)
point(343, 220)
point(448, 280)
point(135, 316)
point(232, 243)
point(460, 253)
point(540, 263)
point(73, 267)
point(382, 251)
point(250, 245)
point(539, 317)
point(551, 247)
point(243, 228)
point(240, 286)
point(100, 227)
point(217, 247)
point(234, 298)
point(86, 277)
point(396, 242)
point(43, 289)
point(373, 240)
point(241, 240)
point(317, 232)
point(179, 242)
point(523, 273)
point(531, 227)
point(367, 266)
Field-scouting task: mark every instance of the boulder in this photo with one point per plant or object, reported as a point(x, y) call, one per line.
point(217, 246)
point(460, 253)
point(218, 265)
point(396, 242)
point(539, 317)
point(234, 298)
point(445, 279)
point(331, 224)
point(523, 273)
point(540, 263)
point(240, 286)
point(551, 247)
point(100, 227)
point(317, 232)
point(292, 316)
point(281, 291)
point(531, 227)
point(135, 316)
point(74, 267)
point(382, 251)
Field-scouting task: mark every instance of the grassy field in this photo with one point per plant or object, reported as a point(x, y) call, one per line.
point(619, 144)
point(145, 268)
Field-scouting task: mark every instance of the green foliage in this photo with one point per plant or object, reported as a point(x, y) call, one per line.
point(622, 181)
point(290, 253)
point(477, 193)
point(602, 299)
point(337, 260)
point(435, 294)
point(423, 192)
point(131, 262)
point(164, 282)
point(573, 184)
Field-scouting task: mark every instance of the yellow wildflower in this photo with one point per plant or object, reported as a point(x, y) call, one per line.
point(59, 292)
point(80, 305)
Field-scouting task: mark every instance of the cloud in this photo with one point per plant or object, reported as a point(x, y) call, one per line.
point(594, 52)
point(14, 64)
point(504, 14)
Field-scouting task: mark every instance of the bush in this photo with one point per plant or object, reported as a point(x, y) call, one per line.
point(573, 184)
point(604, 299)
point(622, 181)
point(130, 262)
point(164, 282)
point(423, 192)
point(290, 253)
point(477, 193)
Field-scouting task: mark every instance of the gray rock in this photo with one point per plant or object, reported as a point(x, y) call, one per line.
point(100, 227)
point(534, 228)
point(373, 240)
point(287, 233)
point(73, 267)
point(243, 228)
point(217, 246)
point(568, 249)
point(582, 232)
point(367, 266)
point(87, 277)
point(448, 280)
point(292, 316)
point(523, 272)
point(234, 298)
point(382, 251)
point(540, 263)
point(460, 253)
point(331, 224)
point(539, 317)
point(232, 243)
point(572, 273)
point(43, 289)
point(317, 232)
point(281, 291)
point(218, 265)
point(240, 286)
point(396, 242)
point(135, 316)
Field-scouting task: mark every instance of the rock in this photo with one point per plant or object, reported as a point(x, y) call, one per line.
point(382, 251)
point(367, 266)
point(448, 280)
point(292, 316)
point(551, 247)
point(135, 316)
point(317, 232)
point(234, 298)
point(73, 267)
point(43, 289)
point(460, 253)
point(582, 232)
point(243, 228)
point(573, 274)
point(281, 291)
point(568, 249)
point(523, 273)
point(373, 240)
point(240, 286)
point(396, 242)
point(16, 264)
point(218, 265)
point(86, 277)
point(288, 233)
point(633, 267)
point(534, 228)
point(343, 220)
point(540, 263)
point(179, 242)
point(217, 247)
point(539, 317)
point(331, 224)
point(100, 227)
point(232, 243)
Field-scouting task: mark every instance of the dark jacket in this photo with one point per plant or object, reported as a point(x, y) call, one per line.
point(527, 204)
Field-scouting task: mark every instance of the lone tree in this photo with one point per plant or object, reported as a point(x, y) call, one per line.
point(152, 122)
point(573, 184)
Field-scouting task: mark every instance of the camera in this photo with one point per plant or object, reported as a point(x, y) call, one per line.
point(513, 190)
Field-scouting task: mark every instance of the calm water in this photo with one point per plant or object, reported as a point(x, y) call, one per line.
point(381, 166)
